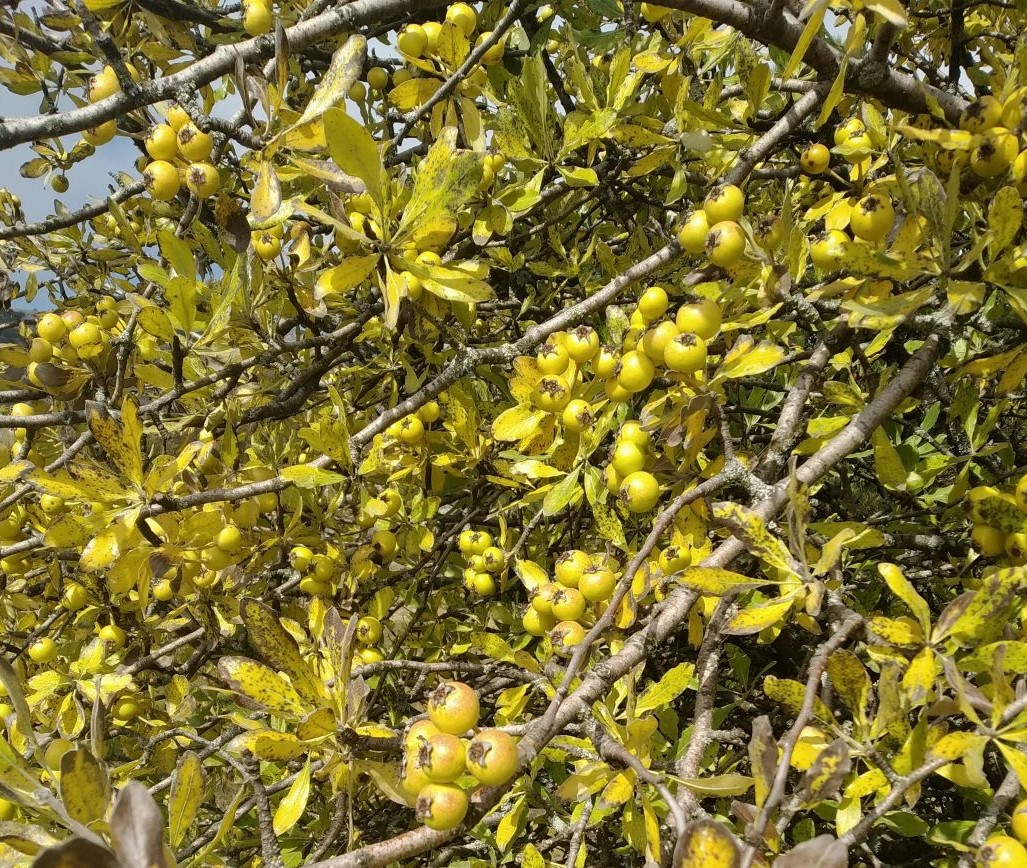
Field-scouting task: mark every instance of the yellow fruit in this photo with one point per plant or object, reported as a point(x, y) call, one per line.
point(463, 16)
point(577, 416)
point(229, 539)
point(1019, 171)
point(378, 78)
point(40, 351)
point(815, 159)
point(693, 232)
point(639, 491)
point(725, 245)
point(412, 40)
point(163, 591)
point(193, 144)
point(50, 327)
point(701, 318)
point(162, 181)
point(989, 541)
point(492, 757)
point(565, 636)
point(635, 372)
point(627, 458)
point(494, 54)
point(257, 18)
point(653, 303)
point(203, 180)
point(981, 115)
point(995, 153)
point(74, 597)
point(266, 245)
point(582, 344)
point(1018, 822)
point(653, 13)
point(597, 584)
point(454, 708)
point(177, 118)
point(369, 630)
point(103, 84)
point(858, 148)
point(357, 92)
point(441, 806)
point(656, 340)
point(1001, 851)
point(872, 218)
point(826, 251)
point(535, 623)
point(686, 354)
point(87, 334)
point(552, 358)
point(725, 202)
point(43, 650)
point(432, 30)
point(570, 567)
point(568, 604)
point(100, 135)
point(849, 128)
point(542, 599)
point(552, 393)
point(605, 364)
point(300, 557)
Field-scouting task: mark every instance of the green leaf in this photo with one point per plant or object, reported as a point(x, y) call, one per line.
point(279, 648)
point(354, 150)
point(186, 796)
point(305, 476)
point(566, 491)
point(178, 254)
point(668, 688)
point(294, 803)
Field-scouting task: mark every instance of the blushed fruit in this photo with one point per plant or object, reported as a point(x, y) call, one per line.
point(419, 732)
point(257, 18)
point(542, 599)
point(552, 358)
point(565, 636)
point(981, 115)
point(725, 202)
point(100, 134)
point(636, 372)
point(577, 416)
point(570, 567)
point(369, 630)
point(551, 393)
point(1018, 822)
point(441, 806)
point(463, 16)
point(725, 245)
point(193, 144)
point(815, 159)
point(653, 303)
point(693, 232)
point(995, 153)
point(639, 491)
point(161, 180)
point(569, 604)
point(536, 623)
point(686, 354)
point(826, 250)
point(597, 583)
point(203, 180)
point(412, 40)
point(582, 344)
point(1001, 851)
point(43, 650)
point(442, 758)
point(453, 707)
point(633, 432)
point(492, 757)
point(51, 328)
point(873, 217)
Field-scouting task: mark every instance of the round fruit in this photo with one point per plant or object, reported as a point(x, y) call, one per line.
point(300, 558)
point(50, 327)
point(357, 92)
point(1016, 548)
point(40, 351)
point(412, 41)
point(686, 354)
point(194, 144)
point(126, 708)
point(55, 751)
point(484, 584)
point(493, 559)
point(693, 232)
point(1020, 494)
point(582, 344)
point(1019, 821)
point(553, 358)
point(163, 591)
point(369, 630)
point(409, 430)
point(535, 623)
point(640, 491)
point(103, 84)
point(565, 635)
point(597, 584)
point(428, 413)
point(724, 203)
point(848, 129)
point(989, 541)
point(815, 159)
point(826, 251)
point(203, 180)
point(229, 539)
point(112, 636)
point(385, 544)
point(413, 780)
point(43, 650)
point(994, 154)
point(60, 183)
point(417, 734)
point(453, 707)
point(725, 244)
point(653, 303)
point(872, 218)
point(981, 115)
point(636, 372)
point(371, 655)
point(492, 757)
point(266, 245)
point(542, 599)
point(570, 567)
point(75, 597)
point(858, 147)
point(161, 180)
point(633, 432)
point(656, 340)
point(85, 335)
point(441, 806)
point(100, 134)
point(378, 78)
point(1001, 851)
point(442, 758)
point(495, 53)
point(569, 604)
point(257, 17)
point(627, 458)
point(577, 416)
point(463, 16)
point(605, 364)
point(432, 31)
point(177, 118)
point(552, 393)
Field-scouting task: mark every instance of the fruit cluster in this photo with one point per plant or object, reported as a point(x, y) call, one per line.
point(436, 756)
point(484, 561)
point(410, 430)
point(999, 521)
point(714, 229)
point(422, 40)
point(179, 151)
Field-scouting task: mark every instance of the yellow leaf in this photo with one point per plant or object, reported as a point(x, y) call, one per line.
point(110, 434)
point(890, 10)
point(955, 745)
point(186, 796)
point(810, 31)
point(753, 531)
point(715, 582)
point(1016, 761)
point(670, 686)
point(746, 358)
point(531, 858)
point(918, 680)
point(896, 632)
point(305, 476)
point(516, 422)
point(277, 646)
point(902, 588)
point(344, 276)
point(346, 66)
point(512, 823)
point(102, 550)
point(294, 803)
point(755, 619)
point(453, 45)
point(85, 787)
point(269, 745)
point(1005, 217)
point(413, 93)
point(887, 461)
point(261, 685)
point(708, 844)
point(354, 150)
point(317, 724)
